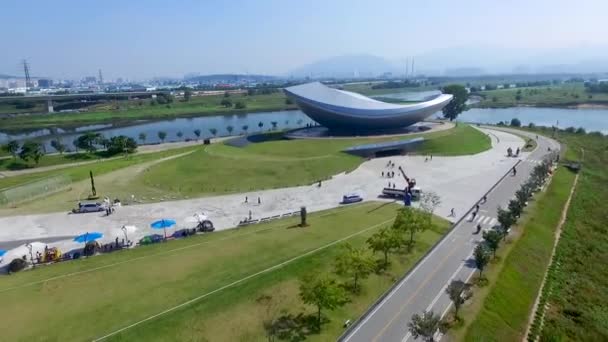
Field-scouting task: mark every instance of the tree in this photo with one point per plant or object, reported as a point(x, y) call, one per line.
point(88, 141)
point(385, 241)
point(429, 201)
point(458, 291)
point(142, 137)
point(213, 131)
point(187, 95)
point(58, 146)
point(515, 208)
point(226, 103)
point(31, 150)
point(229, 129)
point(480, 254)
point(274, 124)
point(245, 128)
point(288, 101)
point(197, 133)
point(492, 240)
point(260, 125)
point(240, 105)
point(162, 135)
point(180, 134)
point(322, 292)
point(355, 263)
point(458, 103)
point(411, 221)
point(226, 94)
point(515, 122)
point(424, 325)
point(506, 220)
point(122, 144)
point(12, 147)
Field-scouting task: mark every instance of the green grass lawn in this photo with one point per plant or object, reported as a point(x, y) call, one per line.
point(548, 96)
point(218, 168)
point(131, 110)
point(77, 173)
point(503, 316)
point(149, 280)
point(579, 284)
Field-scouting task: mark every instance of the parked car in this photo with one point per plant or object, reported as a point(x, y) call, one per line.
point(351, 198)
point(88, 207)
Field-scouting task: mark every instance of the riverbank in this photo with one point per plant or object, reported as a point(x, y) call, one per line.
point(136, 110)
point(574, 105)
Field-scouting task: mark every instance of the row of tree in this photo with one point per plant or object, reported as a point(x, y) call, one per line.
point(325, 291)
point(29, 150)
point(92, 141)
point(425, 325)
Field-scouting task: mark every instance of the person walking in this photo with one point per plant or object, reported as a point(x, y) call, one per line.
point(246, 199)
point(259, 200)
point(453, 213)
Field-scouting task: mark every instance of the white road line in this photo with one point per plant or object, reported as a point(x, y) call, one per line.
point(412, 272)
point(272, 268)
point(479, 219)
point(493, 221)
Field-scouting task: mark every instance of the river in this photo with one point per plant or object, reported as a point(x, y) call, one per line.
point(589, 119)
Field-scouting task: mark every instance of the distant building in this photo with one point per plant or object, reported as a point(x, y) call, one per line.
point(45, 83)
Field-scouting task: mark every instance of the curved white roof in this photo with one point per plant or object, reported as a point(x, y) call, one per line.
point(341, 109)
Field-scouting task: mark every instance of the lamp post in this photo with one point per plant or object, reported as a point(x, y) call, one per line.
point(29, 246)
point(124, 230)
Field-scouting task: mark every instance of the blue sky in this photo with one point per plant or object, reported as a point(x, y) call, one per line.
point(138, 39)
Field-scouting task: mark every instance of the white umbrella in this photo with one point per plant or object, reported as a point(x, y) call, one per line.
point(196, 218)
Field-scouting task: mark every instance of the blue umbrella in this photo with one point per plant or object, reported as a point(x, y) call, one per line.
point(163, 224)
point(2, 252)
point(87, 237)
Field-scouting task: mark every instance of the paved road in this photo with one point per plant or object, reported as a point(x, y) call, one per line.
point(424, 287)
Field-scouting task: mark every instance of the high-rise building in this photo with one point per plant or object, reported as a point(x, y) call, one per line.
point(45, 83)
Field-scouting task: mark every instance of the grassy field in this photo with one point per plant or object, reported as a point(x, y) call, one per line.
point(132, 110)
point(579, 284)
point(50, 160)
point(502, 309)
point(218, 168)
point(93, 297)
point(549, 96)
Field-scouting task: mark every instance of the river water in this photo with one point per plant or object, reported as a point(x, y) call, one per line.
point(589, 119)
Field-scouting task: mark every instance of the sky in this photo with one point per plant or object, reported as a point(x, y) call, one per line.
point(139, 39)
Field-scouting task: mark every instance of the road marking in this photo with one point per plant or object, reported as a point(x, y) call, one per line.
point(426, 280)
point(236, 282)
point(373, 312)
point(493, 221)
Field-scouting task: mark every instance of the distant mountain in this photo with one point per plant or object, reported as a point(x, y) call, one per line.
point(345, 66)
point(453, 61)
point(229, 78)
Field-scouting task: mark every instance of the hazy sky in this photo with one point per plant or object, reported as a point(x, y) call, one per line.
point(137, 39)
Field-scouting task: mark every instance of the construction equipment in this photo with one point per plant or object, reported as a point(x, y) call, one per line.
point(411, 182)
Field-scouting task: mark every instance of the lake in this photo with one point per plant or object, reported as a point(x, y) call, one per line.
point(589, 119)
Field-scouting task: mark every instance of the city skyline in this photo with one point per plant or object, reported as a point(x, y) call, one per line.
point(142, 40)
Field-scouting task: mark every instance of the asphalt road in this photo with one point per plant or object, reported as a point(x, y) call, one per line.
point(424, 287)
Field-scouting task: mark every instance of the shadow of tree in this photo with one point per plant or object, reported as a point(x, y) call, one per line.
point(294, 328)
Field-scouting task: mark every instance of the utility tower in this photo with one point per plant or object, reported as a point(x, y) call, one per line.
point(100, 77)
point(26, 70)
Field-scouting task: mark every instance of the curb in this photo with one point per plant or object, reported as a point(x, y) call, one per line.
point(348, 330)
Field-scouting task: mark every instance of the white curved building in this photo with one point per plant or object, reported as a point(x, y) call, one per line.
point(339, 109)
